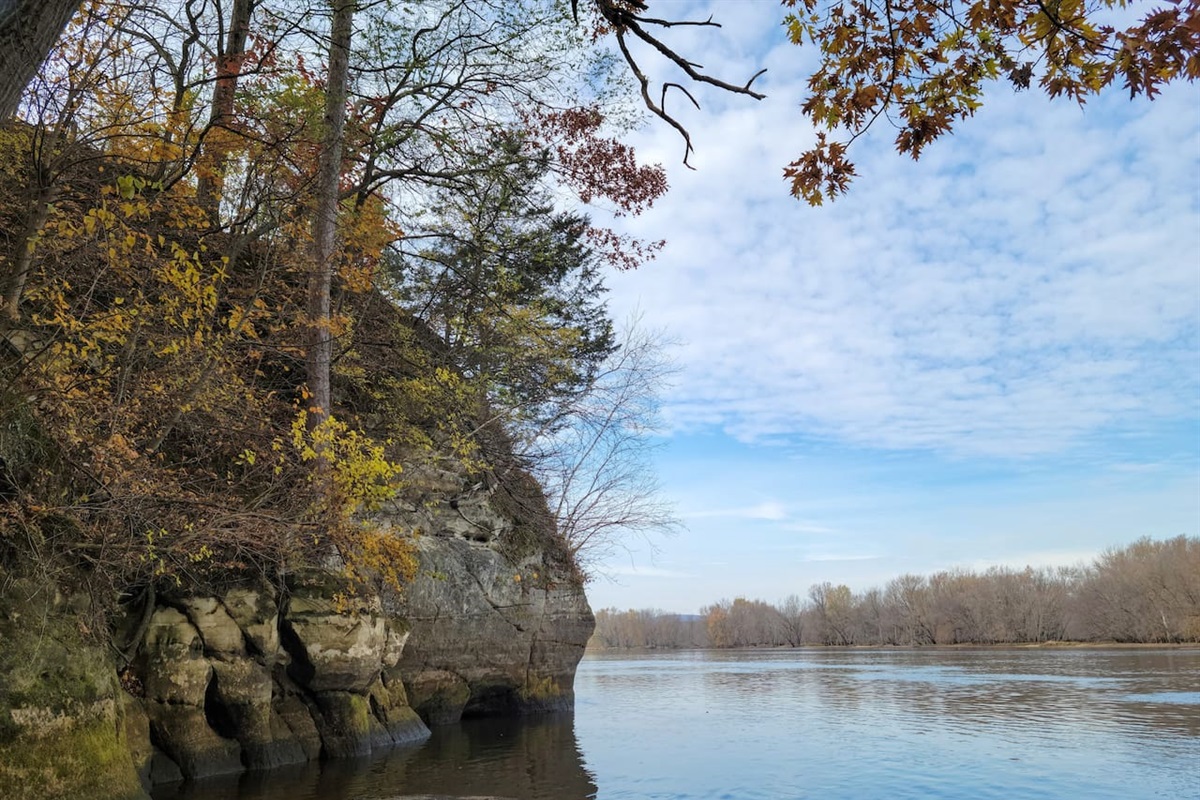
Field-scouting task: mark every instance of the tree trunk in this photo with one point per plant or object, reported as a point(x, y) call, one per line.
point(324, 224)
point(39, 212)
point(44, 192)
point(28, 30)
point(211, 179)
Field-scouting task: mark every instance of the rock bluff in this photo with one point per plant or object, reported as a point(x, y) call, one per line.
point(261, 676)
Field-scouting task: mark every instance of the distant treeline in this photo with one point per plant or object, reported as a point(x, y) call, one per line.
point(1146, 592)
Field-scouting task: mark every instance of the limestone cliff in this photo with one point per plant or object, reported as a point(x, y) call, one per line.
point(258, 676)
point(497, 615)
point(176, 526)
point(489, 636)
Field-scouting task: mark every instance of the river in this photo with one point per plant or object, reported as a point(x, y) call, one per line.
point(820, 724)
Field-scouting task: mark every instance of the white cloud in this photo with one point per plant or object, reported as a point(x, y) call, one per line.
point(818, 559)
point(1032, 284)
point(644, 571)
point(1037, 559)
point(806, 527)
point(770, 510)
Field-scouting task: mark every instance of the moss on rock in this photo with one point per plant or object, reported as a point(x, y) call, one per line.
point(88, 760)
point(61, 728)
point(539, 691)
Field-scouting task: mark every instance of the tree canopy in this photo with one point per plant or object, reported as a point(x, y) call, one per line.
point(265, 265)
point(1147, 591)
point(920, 65)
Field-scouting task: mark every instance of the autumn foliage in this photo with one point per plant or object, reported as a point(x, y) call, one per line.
point(157, 198)
point(923, 65)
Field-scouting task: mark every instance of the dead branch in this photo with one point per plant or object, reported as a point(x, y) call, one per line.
point(623, 17)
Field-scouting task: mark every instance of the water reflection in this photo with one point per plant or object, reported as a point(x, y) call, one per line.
point(811, 725)
point(533, 758)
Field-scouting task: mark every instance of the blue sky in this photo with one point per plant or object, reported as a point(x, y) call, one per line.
point(991, 356)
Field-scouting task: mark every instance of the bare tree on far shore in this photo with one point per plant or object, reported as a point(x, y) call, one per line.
point(1148, 591)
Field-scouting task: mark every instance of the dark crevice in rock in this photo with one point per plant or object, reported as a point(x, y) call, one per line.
point(216, 713)
point(175, 603)
point(377, 710)
point(156, 740)
point(286, 689)
point(149, 602)
point(173, 702)
point(252, 649)
point(490, 701)
point(301, 669)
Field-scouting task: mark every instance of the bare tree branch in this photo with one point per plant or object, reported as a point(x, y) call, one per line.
point(622, 17)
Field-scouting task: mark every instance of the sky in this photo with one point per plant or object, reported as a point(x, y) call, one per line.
point(987, 357)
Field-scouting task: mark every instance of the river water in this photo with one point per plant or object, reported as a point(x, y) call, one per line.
point(821, 724)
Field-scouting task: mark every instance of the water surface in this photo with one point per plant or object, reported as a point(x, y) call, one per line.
point(820, 724)
point(895, 724)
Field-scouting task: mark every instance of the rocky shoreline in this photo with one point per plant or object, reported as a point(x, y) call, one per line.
point(259, 677)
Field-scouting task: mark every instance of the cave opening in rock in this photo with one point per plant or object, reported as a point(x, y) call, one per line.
point(493, 701)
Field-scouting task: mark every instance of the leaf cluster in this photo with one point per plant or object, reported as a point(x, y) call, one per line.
point(922, 64)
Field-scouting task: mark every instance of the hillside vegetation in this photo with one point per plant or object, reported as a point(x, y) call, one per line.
point(243, 306)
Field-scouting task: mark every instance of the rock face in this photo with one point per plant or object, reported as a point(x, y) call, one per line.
point(489, 636)
point(255, 678)
point(63, 723)
point(497, 617)
point(247, 681)
point(250, 679)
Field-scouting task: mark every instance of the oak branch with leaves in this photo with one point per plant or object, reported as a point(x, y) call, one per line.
point(921, 65)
